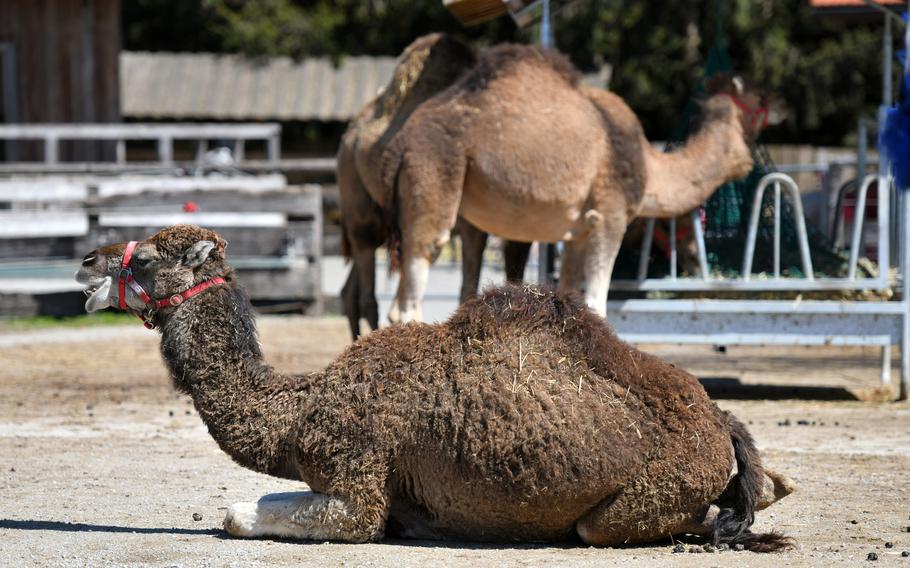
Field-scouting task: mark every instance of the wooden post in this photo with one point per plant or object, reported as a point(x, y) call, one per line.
point(239, 145)
point(202, 146)
point(51, 150)
point(274, 148)
point(166, 150)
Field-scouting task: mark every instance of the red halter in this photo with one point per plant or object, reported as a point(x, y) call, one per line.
point(757, 116)
point(126, 278)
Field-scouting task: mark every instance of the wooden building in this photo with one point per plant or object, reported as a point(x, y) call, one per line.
point(59, 63)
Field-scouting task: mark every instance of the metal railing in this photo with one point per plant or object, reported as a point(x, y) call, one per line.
point(745, 282)
point(777, 179)
point(754, 321)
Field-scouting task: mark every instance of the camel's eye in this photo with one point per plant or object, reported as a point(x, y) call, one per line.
point(142, 260)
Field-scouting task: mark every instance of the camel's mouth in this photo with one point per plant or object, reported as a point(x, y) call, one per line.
point(99, 294)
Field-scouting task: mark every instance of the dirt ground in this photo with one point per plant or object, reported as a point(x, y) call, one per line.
point(101, 463)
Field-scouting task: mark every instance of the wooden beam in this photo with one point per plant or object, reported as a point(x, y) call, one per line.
point(140, 131)
point(308, 165)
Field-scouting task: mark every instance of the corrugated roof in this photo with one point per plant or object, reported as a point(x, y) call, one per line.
point(192, 86)
point(230, 87)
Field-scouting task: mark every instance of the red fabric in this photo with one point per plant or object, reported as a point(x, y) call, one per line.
point(124, 273)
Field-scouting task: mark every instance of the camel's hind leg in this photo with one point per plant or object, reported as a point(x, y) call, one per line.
point(303, 515)
point(621, 519)
point(516, 259)
point(473, 243)
point(359, 292)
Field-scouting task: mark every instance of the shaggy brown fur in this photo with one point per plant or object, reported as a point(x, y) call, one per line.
point(522, 418)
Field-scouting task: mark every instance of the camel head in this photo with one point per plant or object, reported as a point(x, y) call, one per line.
point(168, 263)
point(757, 108)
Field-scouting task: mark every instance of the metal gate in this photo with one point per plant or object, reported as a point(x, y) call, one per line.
point(779, 322)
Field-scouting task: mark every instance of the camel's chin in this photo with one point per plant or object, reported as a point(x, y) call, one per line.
point(100, 297)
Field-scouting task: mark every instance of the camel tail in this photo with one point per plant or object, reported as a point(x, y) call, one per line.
point(346, 249)
point(393, 242)
point(739, 501)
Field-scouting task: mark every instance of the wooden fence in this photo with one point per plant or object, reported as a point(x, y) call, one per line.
point(47, 223)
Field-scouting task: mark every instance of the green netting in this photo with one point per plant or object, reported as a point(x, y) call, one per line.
point(727, 211)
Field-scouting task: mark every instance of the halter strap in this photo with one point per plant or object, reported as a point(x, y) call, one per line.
point(757, 116)
point(177, 299)
point(126, 278)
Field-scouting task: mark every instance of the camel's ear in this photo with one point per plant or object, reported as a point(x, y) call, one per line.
point(196, 254)
point(739, 84)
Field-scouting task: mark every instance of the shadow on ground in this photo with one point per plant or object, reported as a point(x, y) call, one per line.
point(86, 527)
point(733, 388)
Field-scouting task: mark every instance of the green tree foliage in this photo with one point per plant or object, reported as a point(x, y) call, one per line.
point(829, 70)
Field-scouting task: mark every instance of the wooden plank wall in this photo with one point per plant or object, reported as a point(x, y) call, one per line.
point(67, 67)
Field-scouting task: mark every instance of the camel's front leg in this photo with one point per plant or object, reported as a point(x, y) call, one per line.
point(428, 201)
point(413, 285)
point(600, 256)
point(304, 515)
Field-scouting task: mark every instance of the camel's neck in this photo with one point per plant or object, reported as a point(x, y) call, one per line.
point(212, 350)
point(680, 181)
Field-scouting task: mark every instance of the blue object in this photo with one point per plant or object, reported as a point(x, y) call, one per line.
point(895, 136)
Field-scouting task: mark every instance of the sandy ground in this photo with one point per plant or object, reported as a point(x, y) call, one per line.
point(101, 463)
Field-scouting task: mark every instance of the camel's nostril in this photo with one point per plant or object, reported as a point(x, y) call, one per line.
point(89, 259)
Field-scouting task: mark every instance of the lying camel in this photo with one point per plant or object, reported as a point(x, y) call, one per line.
point(523, 418)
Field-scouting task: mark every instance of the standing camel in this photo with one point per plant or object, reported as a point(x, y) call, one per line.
point(430, 64)
point(523, 418)
point(519, 150)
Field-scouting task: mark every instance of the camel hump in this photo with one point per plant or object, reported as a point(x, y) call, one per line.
point(516, 309)
point(502, 59)
point(616, 110)
point(428, 65)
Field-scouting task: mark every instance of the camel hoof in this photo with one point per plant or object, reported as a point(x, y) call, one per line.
point(775, 486)
point(240, 520)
